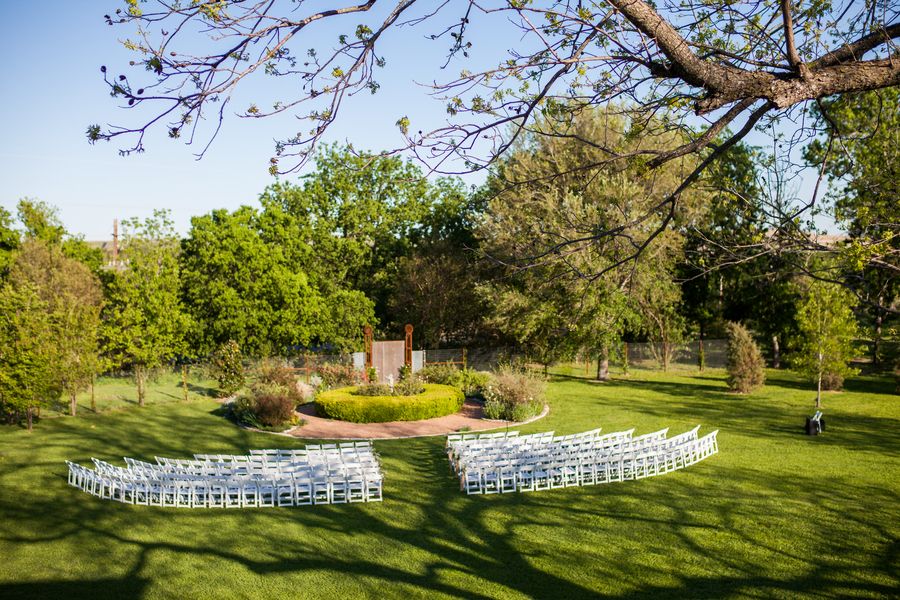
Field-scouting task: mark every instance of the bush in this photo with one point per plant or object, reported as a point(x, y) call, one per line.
point(746, 368)
point(273, 409)
point(335, 376)
point(343, 404)
point(832, 381)
point(470, 381)
point(227, 368)
point(373, 389)
point(409, 387)
point(406, 387)
point(268, 406)
point(273, 373)
point(515, 394)
point(440, 374)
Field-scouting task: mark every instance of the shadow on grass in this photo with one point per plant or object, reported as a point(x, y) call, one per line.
point(96, 589)
point(707, 532)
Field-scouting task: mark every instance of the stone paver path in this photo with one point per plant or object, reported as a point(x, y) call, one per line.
point(470, 416)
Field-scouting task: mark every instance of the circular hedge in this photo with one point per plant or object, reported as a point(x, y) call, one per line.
point(435, 401)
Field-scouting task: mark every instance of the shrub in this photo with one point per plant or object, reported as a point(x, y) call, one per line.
point(335, 376)
point(746, 368)
point(832, 381)
point(408, 387)
point(404, 372)
point(470, 381)
point(273, 409)
point(514, 394)
point(227, 368)
point(434, 401)
point(273, 373)
point(373, 389)
point(266, 407)
point(241, 411)
point(440, 374)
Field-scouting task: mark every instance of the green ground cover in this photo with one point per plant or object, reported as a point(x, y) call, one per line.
point(118, 392)
point(775, 513)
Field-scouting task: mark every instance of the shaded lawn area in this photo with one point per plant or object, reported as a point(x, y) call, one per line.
point(775, 513)
point(120, 391)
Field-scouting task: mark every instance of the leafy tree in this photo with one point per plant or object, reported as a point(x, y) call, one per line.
point(564, 297)
point(9, 240)
point(41, 221)
point(227, 367)
point(73, 298)
point(739, 64)
point(245, 279)
point(237, 286)
point(827, 331)
point(144, 321)
point(860, 153)
point(435, 291)
point(355, 217)
point(27, 372)
point(746, 367)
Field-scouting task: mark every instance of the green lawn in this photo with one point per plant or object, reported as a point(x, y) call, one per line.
point(775, 513)
point(118, 392)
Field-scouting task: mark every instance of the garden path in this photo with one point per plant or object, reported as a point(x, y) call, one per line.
point(471, 416)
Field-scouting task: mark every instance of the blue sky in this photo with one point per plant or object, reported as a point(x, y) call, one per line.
point(52, 89)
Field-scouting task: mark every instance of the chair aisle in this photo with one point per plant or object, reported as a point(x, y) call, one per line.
point(507, 462)
point(317, 474)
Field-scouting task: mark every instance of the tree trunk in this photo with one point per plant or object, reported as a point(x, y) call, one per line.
point(603, 364)
point(93, 397)
point(184, 386)
point(73, 404)
point(28, 417)
point(819, 391)
point(625, 358)
point(665, 356)
point(819, 383)
point(139, 379)
point(776, 353)
point(876, 342)
point(701, 353)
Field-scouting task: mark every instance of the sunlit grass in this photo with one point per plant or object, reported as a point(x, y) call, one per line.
point(775, 513)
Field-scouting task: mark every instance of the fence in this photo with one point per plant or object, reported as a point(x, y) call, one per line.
point(481, 359)
point(656, 355)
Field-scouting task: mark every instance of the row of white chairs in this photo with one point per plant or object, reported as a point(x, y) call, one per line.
point(554, 466)
point(211, 482)
point(614, 443)
point(460, 453)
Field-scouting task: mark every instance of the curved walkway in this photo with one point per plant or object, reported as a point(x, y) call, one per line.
point(471, 416)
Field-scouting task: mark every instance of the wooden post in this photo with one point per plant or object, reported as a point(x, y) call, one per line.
point(465, 358)
point(367, 340)
point(407, 348)
point(93, 398)
point(184, 386)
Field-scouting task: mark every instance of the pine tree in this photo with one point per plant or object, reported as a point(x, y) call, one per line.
point(746, 368)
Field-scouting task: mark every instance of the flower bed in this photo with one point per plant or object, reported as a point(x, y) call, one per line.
point(343, 404)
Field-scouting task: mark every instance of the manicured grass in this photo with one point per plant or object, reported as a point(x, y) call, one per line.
point(775, 513)
point(118, 392)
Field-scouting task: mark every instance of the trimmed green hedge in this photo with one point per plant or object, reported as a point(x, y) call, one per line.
point(435, 401)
